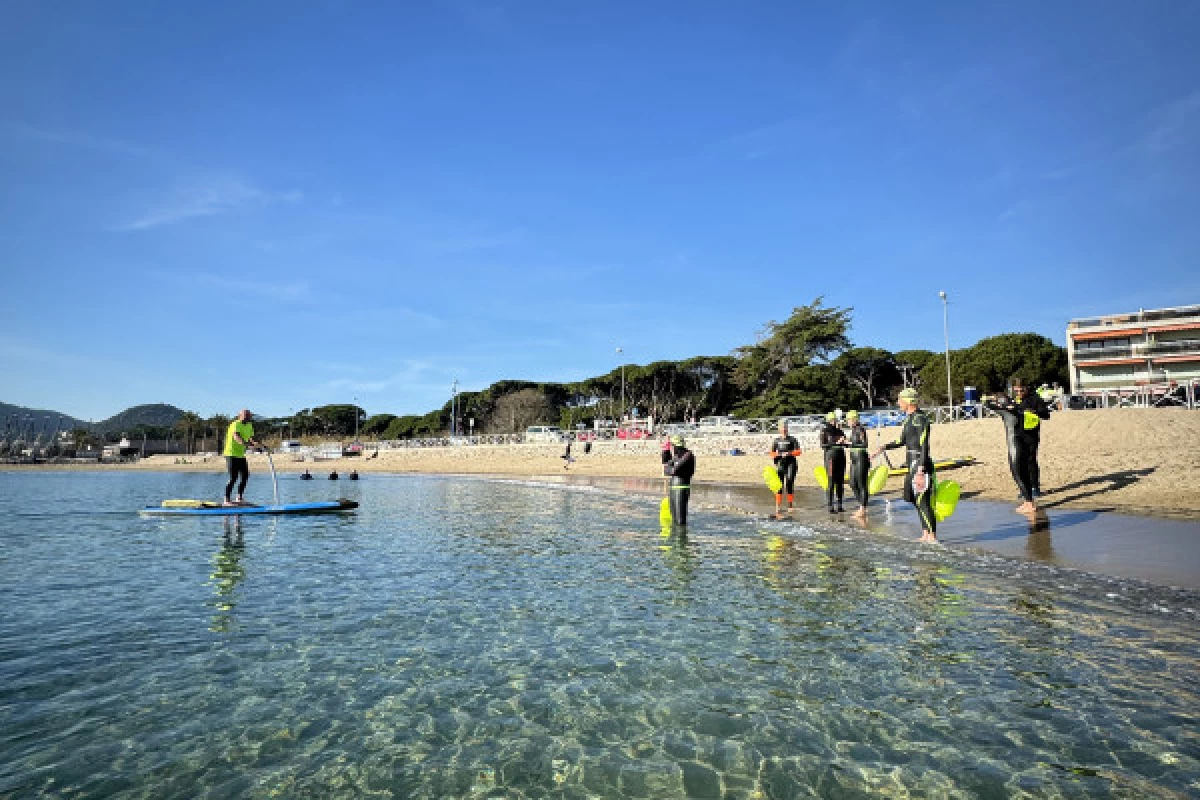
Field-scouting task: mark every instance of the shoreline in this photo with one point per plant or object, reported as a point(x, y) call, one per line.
point(1128, 461)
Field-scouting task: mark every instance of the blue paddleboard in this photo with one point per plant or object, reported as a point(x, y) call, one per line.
point(218, 510)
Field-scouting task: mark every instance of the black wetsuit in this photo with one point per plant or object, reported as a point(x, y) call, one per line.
point(680, 467)
point(832, 442)
point(1019, 452)
point(1034, 410)
point(239, 473)
point(914, 438)
point(785, 464)
point(860, 464)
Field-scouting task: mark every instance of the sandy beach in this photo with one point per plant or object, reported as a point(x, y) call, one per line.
point(1129, 460)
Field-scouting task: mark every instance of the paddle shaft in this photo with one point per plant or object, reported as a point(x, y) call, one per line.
point(274, 480)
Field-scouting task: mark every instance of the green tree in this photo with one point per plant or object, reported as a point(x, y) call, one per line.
point(909, 364)
point(188, 424)
point(871, 370)
point(991, 363)
point(813, 333)
point(377, 424)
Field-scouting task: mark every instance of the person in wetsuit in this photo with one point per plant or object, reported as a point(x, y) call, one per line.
point(860, 462)
point(679, 468)
point(238, 436)
point(919, 480)
point(1033, 410)
point(1018, 455)
point(784, 450)
point(833, 442)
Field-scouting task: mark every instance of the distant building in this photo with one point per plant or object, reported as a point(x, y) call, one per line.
point(1147, 352)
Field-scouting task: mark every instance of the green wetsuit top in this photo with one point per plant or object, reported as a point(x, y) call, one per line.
point(233, 447)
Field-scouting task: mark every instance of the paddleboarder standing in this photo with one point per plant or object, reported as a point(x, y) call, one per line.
point(238, 437)
point(918, 481)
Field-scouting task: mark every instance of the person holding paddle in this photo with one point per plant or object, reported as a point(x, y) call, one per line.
point(238, 437)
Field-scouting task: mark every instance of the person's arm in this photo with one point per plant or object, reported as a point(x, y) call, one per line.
point(1042, 410)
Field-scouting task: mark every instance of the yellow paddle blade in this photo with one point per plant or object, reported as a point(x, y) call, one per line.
point(186, 504)
point(945, 499)
point(772, 479)
point(821, 475)
point(877, 479)
point(664, 512)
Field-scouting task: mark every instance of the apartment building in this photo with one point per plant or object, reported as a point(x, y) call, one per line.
point(1146, 351)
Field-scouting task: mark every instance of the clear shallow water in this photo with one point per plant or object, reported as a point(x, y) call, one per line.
point(473, 638)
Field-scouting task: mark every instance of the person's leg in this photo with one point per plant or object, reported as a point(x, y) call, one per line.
point(830, 491)
point(685, 495)
point(838, 477)
point(1025, 478)
point(781, 471)
point(1035, 472)
point(244, 474)
point(231, 468)
point(789, 483)
point(925, 506)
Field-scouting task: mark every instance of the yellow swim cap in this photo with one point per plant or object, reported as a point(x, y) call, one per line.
point(909, 394)
point(852, 414)
point(830, 417)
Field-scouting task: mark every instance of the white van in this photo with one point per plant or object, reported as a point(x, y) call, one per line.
point(543, 433)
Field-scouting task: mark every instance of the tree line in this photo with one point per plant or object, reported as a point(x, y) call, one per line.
point(805, 364)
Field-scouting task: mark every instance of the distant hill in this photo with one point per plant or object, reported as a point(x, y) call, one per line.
point(19, 418)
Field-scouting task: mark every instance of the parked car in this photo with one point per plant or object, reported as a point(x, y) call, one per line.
point(802, 424)
point(544, 433)
point(721, 424)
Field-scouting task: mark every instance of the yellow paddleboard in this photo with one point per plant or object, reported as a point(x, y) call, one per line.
point(945, 499)
point(664, 512)
point(877, 479)
point(821, 475)
point(946, 463)
point(772, 479)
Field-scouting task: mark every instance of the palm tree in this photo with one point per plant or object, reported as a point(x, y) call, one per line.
point(217, 423)
point(188, 423)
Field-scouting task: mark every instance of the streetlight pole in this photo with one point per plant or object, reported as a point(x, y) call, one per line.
point(454, 408)
point(356, 420)
point(946, 333)
point(621, 352)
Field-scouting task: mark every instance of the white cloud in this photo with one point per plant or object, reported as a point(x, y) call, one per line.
point(218, 194)
point(31, 133)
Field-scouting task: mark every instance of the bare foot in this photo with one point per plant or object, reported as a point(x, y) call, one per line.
point(1027, 508)
point(928, 538)
point(229, 503)
point(861, 513)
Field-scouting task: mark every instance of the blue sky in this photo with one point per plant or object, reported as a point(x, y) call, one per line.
point(287, 204)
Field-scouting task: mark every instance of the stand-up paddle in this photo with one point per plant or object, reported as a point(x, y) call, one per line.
point(274, 480)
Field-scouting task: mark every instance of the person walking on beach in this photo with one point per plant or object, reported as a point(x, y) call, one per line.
point(860, 463)
point(679, 468)
point(919, 480)
point(238, 436)
point(1018, 452)
point(566, 456)
point(833, 442)
point(783, 453)
point(1033, 410)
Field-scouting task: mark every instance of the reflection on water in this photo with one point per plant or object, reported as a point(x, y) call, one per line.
point(228, 572)
point(467, 638)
